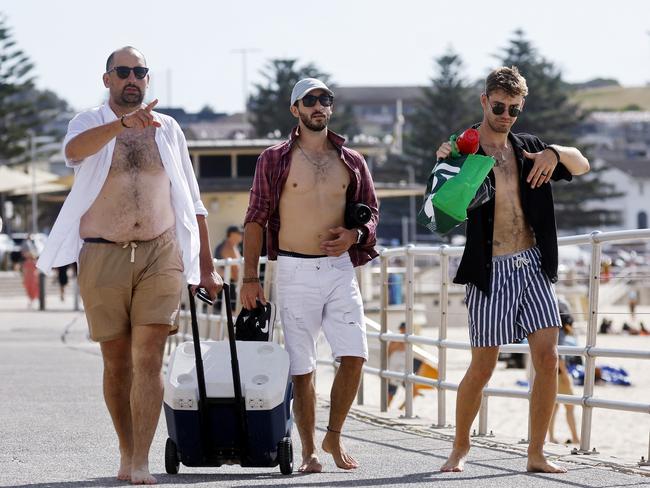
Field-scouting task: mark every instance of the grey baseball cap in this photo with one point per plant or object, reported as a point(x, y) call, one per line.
point(306, 85)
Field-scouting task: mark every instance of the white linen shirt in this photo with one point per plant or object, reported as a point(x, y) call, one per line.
point(64, 243)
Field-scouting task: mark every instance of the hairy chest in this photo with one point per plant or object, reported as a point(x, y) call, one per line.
point(136, 151)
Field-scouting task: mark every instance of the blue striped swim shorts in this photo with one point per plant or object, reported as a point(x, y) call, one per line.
point(521, 301)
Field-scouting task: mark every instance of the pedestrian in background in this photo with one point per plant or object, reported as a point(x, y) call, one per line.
point(30, 273)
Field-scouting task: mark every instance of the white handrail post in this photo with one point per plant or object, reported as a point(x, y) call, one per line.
point(442, 335)
point(270, 268)
point(360, 390)
point(483, 415)
point(76, 292)
point(383, 347)
point(592, 329)
point(531, 380)
point(410, 298)
point(361, 283)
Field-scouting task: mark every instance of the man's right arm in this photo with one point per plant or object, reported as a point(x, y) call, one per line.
point(252, 289)
point(91, 141)
point(257, 216)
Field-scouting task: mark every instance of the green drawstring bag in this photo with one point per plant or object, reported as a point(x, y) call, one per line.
point(456, 184)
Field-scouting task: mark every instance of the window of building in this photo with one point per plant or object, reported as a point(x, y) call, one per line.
point(211, 166)
point(642, 220)
point(246, 165)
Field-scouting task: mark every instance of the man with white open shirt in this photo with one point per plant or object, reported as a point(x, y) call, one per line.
point(135, 223)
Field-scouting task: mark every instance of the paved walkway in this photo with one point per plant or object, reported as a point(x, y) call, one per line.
point(55, 430)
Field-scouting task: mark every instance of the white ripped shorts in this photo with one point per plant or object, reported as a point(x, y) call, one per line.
point(317, 293)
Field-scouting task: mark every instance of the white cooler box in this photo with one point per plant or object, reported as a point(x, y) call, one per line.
point(218, 439)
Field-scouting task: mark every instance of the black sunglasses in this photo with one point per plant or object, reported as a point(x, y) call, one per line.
point(324, 99)
point(123, 72)
point(498, 108)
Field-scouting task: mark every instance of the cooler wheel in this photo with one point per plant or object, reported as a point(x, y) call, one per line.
point(285, 455)
point(171, 457)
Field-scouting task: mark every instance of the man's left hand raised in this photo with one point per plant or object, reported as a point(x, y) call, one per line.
point(343, 240)
point(544, 163)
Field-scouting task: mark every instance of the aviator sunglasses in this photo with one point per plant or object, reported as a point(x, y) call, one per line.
point(498, 108)
point(123, 72)
point(324, 99)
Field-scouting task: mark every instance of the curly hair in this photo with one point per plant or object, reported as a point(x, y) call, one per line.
point(507, 79)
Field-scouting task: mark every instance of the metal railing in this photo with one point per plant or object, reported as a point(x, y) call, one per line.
point(590, 352)
point(379, 332)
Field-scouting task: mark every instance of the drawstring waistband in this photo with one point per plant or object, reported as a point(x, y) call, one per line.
point(133, 246)
point(521, 261)
point(163, 238)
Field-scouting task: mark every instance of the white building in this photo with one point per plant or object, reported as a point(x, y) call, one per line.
point(620, 142)
point(630, 177)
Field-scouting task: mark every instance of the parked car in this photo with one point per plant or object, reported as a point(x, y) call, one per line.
point(7, 245)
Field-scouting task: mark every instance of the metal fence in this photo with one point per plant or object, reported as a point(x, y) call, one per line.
point(590, 351)
point(214, 327)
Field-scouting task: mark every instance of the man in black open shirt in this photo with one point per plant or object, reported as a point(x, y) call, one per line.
point(510, 261)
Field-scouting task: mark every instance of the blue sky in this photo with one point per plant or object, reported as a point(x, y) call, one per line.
point(189, 44)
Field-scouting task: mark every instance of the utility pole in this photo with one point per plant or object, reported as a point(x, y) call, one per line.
point(244, 57)
point(169, 88)
point(398, 148)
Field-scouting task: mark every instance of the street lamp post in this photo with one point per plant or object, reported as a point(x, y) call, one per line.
point(244, 53)
point(398, 148)
point(411, 172)
point(32, 166)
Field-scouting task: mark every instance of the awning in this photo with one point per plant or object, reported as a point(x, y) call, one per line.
point(10, 179)
point(19, 182)
point(40, 188)
point(393, 190)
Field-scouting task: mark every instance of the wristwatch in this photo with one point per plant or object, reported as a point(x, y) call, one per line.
point(359, 236)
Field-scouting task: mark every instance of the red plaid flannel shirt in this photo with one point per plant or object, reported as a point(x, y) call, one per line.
point(271, 174)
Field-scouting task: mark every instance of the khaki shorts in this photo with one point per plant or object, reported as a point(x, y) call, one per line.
point(125, 285)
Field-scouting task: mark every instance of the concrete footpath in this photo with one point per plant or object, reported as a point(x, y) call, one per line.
point(55, 430)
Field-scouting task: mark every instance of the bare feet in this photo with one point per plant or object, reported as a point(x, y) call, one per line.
point(332, 445)
point(124, 473)
point(142, 476)
point(310, 464)
point(456, 460)
point(537, 463)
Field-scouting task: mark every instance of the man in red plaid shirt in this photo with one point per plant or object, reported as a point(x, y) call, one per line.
point(300, 193)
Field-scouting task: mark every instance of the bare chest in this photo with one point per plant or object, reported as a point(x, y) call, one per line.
point(511, 229)
point(317, 176)
point(136, 151)
point(506, 173)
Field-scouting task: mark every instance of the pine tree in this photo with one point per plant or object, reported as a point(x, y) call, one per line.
point(449, 105)
point(23, 108)
point(550, 115)
point(548, 112)
point(17, 112)
point(269, 106)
